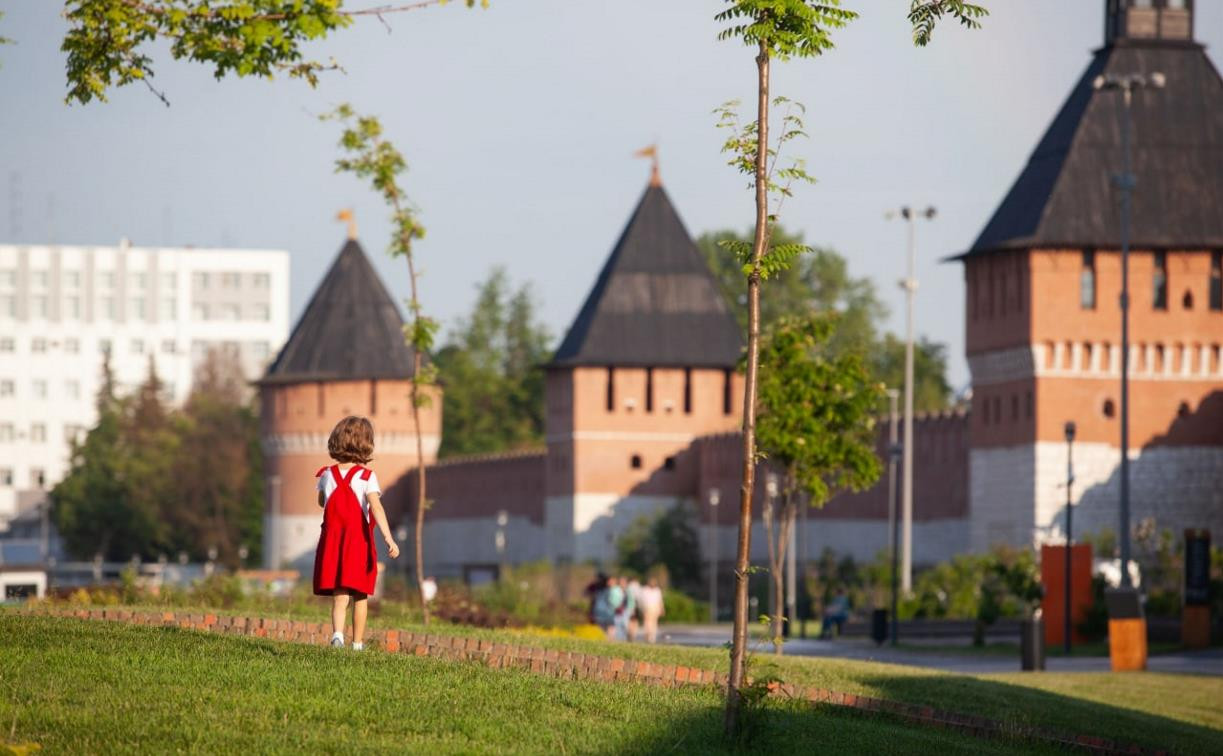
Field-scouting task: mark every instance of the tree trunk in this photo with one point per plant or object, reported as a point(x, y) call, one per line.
point(739, 636)
point(421, 502)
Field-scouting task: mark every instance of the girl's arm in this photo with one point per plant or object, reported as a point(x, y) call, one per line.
point(322, 499)
point(379, 515)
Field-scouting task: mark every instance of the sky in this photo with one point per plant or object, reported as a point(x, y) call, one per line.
point(519, 123)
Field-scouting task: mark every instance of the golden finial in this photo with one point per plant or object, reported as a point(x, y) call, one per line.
point(347, 216)
point(652, 153)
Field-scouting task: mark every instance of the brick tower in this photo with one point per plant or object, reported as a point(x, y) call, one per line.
point(1043, 313)
point(346, 356)
point(646, 367)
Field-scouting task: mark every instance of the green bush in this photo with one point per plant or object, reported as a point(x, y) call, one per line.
point(680, 607)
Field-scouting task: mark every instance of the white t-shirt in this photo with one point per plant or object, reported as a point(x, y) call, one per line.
point(327, 484)
point(650, 599)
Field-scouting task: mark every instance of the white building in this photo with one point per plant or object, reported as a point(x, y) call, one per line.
point(63, 307)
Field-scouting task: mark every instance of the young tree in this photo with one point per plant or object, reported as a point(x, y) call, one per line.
point(107, 40)
point(371, 156)
point(780, 29)
point(816, 426)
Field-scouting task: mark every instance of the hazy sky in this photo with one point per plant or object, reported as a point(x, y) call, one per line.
point(518, 123)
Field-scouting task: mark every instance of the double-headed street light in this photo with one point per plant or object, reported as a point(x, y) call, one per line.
point(909, 284)
point(715, 496)
point(1126, 84)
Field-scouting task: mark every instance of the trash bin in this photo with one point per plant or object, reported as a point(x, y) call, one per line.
point(1032, 644)
point(879, 626)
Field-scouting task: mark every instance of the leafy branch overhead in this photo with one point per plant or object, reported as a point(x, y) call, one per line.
point(107, 40)
point(925, 14)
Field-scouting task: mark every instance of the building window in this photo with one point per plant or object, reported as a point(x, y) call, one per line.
point(1087, 281)
point(985, 410)
point(108, 308)
point(40, 389)
point(8, 277)
point(1159, 282)
point(7, 388)
point(199, 311)
point(39, 306)
point(137, 307)
point(262, 312)
point(168, 346)
point(649, 389)
point(1110, 408)
point(229, 280)
point(1216, 281)
point(169, 280)
point(199, 280)
point(727, 391)
point(669, 463)
point(230, 312)
point(72, 279)
point(997, 409)
point(7, 345)
point(6, 477)
point(8, 306)
point(72, 308)
point(6, 431)
point(611, 389)
point(73, 389)
point(104, 346)
point(72, 346)
point(107, 279)
point(38, 346)
point(137, 346)
point(38, 477)
point(635, 462)
point(261, 280)
point(39, 279)
point(1014, 407)
point(687, 391)
point(139, 281)
point(38, 433)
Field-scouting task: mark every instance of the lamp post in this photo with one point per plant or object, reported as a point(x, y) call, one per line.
point(1126, 84)
point(714, 497)
point(1069, 524)
point(503, 519)
point(893, 520)
point(909, 284)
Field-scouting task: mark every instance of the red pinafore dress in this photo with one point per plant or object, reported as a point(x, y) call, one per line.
point(346, 559)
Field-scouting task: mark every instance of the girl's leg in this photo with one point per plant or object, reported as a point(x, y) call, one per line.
point(339, 608)
point(360, 606)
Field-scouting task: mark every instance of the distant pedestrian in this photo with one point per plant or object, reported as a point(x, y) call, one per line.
point(617, 598)
point(602, 610)
point(649, 600)
point(836, 613)
point(346, 564)
point(592, 591)
point(633, 608)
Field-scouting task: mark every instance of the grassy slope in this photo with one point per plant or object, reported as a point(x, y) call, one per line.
point(1155, 710)
point(75, 686)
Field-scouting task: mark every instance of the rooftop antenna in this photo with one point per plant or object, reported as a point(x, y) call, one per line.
point(350, 219)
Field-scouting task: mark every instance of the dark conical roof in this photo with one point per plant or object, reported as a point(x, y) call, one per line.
point(655, 302)
point(351, 329)
point(1066, 196)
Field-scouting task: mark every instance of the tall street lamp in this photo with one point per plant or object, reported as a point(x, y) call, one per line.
point(909, 284)
point(714, 497)
point(1069, 524)
point(1126, 84)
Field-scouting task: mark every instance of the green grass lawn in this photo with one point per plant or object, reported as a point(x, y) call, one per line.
point(1155, 710)
point(92, 687)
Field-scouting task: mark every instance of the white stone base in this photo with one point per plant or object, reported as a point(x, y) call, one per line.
point(584, 527)
point(1018, 494)
point(292, 538)
point(450, 545)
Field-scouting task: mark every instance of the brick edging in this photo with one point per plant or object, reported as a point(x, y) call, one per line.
point(569, 665)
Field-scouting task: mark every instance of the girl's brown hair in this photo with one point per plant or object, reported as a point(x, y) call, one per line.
point(352, 440)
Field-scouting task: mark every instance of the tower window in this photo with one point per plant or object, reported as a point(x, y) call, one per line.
point(669, 463)
point(1216, 281)
point(1014, 407)
point(727, 391)
point(611, 389)
point(687, 391)
point(1110, 408)
point(1087, 281)
point(1159, 282)
point(649, 389)
point(985, 410)
point(635, 462)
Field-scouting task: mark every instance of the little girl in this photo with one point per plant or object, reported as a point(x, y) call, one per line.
point(346, 563)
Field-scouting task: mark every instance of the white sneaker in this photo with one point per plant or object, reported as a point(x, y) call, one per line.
point(358, 647)
point(337, 640)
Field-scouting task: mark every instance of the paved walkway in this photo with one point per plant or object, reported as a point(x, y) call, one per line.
point(1208, 662)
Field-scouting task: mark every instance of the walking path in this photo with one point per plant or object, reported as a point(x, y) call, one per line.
point(969, 662)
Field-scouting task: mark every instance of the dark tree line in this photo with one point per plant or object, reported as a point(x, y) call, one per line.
point(151, 480)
